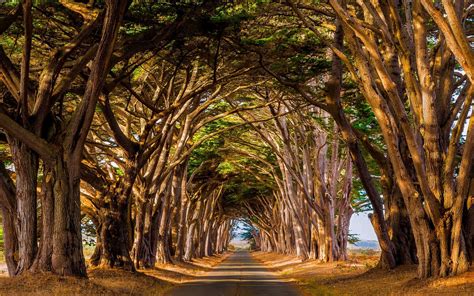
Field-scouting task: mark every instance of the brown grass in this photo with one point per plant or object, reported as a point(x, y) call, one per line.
point(154, 281)
point(359, 277)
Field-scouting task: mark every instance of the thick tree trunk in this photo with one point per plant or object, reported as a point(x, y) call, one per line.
point(43, 259)
point(468, 220)
point(115, 230)
point(147, 251)
point(399, 227)
point(139, 232)
point(163, 254)
point(181, 235)
point(189, 250)
point(9, 219)
point(343, 233)
point(468, 229)
point(26, 168)
point(67, 256)
point(10, 241)
point(181, 231)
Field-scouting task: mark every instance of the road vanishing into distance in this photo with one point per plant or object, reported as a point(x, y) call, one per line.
point(238, 275)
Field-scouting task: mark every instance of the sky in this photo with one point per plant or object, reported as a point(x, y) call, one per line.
point(360, 225)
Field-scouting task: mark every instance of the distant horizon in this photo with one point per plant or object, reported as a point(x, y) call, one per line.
point(360, 225)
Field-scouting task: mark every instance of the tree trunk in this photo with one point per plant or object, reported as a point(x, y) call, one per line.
point(26, 168)
point(8, 208)
point(115, 229)
point(163, 254)
point(139, 232)
point(183, 210)
point(67, 256)
point(95, 258)
point(43, 259)
point(468, 220)
point(399, 227)
point(10, 242)
point(147, 253)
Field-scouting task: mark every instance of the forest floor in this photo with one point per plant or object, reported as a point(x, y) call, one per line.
point(156, 281)
point(354, 277)
point(359, 277)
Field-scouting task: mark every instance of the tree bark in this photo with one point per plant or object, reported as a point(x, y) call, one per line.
point(26, 168)
point(10, 241)
point(43, 259)
point(115, 230)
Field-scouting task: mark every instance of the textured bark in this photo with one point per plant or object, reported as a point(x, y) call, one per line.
point(182, 217)
point(9, 219)
point(147, 253)
point(433, 192)
point(43, 258)
point(398, 223)
point(26, 168)
point(115, 233)
point(139, 232)
point(10, 241)
point(163, 254)
point(67, 257)
point(115, 220)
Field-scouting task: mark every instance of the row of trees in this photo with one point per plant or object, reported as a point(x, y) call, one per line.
point(310, 209)
point(160, 123)
point(105, 130)
point(412, 64)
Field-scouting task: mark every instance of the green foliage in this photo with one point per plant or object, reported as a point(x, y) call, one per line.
point(353, 238)
point(210, 148)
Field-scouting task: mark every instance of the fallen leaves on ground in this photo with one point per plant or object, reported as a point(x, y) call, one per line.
point(154, 281)
point(358, 276)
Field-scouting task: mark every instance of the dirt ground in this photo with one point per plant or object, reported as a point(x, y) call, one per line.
point(359, 277)
point(354, 277)
point(109, 282)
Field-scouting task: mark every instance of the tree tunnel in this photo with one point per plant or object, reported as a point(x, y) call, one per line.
point(147, 128)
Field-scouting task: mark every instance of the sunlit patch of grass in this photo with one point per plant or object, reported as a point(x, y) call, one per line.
point(311, 287)
point(358, 276)
point(103, 281)
point(88, 250)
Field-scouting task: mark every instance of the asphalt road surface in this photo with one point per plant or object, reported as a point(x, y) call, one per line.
point(238, 275)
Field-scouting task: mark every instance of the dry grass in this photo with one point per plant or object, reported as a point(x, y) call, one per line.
point(358, 277)
point(109, 282)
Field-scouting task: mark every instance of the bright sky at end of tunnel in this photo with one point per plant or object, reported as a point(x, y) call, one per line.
point(360, 225)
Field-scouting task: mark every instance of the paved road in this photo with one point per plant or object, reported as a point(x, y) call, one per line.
point(238, 275)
